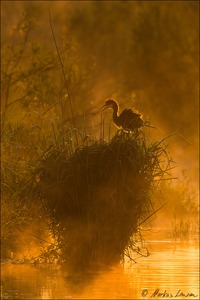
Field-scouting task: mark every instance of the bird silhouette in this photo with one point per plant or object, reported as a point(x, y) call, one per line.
point(127, 120)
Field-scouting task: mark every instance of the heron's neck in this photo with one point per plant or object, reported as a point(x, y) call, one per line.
point(115, 113)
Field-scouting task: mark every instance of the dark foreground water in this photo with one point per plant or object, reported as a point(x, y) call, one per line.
point(170, 272)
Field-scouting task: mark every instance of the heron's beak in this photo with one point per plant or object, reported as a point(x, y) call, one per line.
point(103, 107)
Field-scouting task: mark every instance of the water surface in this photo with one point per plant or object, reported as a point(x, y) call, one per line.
point(170, 272)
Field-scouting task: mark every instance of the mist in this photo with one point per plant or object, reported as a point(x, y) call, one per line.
point(144, 54)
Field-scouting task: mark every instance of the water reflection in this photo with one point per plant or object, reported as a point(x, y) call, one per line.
point(171, 271)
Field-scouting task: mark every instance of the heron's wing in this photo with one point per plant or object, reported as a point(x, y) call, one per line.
point(129, 113)
point(130, 120)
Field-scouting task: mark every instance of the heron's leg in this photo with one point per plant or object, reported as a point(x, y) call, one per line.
point(117, 135)
point(128, 133)
point(120, 132)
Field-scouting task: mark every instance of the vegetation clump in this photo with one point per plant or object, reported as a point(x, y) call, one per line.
point(99, 195)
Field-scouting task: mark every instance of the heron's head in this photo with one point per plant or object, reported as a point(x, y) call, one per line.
point(110, 103)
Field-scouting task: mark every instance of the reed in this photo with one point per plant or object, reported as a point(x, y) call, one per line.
point(96, 192)
point(99, 194)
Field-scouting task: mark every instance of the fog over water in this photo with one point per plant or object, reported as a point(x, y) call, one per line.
point(143, 54)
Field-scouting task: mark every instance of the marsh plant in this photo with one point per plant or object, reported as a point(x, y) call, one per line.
point(100, 195)
point(86, 192)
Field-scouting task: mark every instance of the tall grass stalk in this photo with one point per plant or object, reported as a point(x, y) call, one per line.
point(93, 189)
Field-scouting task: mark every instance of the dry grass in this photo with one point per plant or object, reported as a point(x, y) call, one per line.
point(96, 194)
point(100, 194)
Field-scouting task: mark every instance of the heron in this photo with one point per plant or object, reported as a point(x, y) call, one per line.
point(127, 120)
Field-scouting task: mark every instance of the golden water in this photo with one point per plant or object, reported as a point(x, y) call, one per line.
point(170, 272)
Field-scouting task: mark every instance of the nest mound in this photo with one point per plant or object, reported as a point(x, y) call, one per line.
point(98, 195)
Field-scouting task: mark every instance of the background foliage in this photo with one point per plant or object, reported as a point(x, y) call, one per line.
point(143, 53)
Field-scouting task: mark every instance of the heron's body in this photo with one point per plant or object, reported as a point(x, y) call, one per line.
point(127, 120)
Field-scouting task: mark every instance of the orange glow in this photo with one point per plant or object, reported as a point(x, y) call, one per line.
point(55, 79)
point(163, 270)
